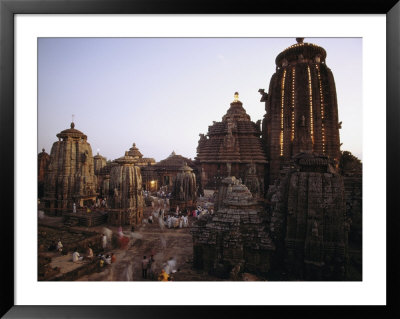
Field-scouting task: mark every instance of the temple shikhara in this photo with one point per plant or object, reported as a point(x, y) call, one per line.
point(271, 199)
point(70, 175)
point(232, 147)
point(301, 107)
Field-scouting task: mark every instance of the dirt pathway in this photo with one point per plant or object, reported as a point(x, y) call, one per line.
point(151, 239)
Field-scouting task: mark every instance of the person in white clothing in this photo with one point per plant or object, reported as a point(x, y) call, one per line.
point(59, 246)
point(169, 222)
point(76, 257)
point(74, 208)
point(172, 265)
point(181, 222)
point(104, 241)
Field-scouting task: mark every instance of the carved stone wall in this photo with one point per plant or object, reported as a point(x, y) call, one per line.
point(308, 222)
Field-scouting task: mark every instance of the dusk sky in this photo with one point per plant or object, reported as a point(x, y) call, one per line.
point(160, 93)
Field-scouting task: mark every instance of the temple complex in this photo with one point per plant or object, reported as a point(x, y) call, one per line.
point(43, 164)
point(308, 222)
point(236, 238)
point(277, 200)
point(125, 192)
point(70, 177)
point(301, 107)
point(184, 189)
point(232, 147)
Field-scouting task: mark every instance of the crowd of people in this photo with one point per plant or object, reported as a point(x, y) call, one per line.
point(150, 269)
point(98, 203)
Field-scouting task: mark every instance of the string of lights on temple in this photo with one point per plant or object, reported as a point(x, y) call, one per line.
point(311, 105)
point(293, 96)
point(322, 108)
point(282, 107)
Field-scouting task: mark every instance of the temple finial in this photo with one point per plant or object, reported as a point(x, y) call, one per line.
point(299, 40)
point(72, 123)
point(236, 97)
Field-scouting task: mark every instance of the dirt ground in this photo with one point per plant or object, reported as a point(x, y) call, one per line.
point(147, 239)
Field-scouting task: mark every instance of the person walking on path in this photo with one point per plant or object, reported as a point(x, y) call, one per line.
point(145, 264)
point(150, 267)
point(104, 242)
point(59, 246)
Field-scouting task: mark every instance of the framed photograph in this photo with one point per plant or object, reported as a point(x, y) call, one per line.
point(149, 83)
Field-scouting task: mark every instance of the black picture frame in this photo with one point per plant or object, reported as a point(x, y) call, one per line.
point(8, 8)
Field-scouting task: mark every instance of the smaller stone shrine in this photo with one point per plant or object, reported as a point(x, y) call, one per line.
point(184, 189)
point(125, 192)
point(99, 163)
point(235, 238)
point(43, 164)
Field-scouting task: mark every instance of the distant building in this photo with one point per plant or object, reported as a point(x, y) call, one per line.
point(43, 164)
point(149, 177)
point(168, 168)
point(99, 163)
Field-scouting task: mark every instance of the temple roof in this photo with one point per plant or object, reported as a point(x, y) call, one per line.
point(174, 162)
point(134, 151)
point(235, 139)
point(126, 159)
point(99, 156)
point(308, 50)
point(71, 132)
point(185, 168)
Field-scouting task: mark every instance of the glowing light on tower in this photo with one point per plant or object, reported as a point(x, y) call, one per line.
point(282, 106)
point(293, 79)
point(322, 109)
point(311, 105)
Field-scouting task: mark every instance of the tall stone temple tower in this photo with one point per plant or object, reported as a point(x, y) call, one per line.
point(70, 176)
point(125, 192)
point(232, 147)
point(301, 107)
